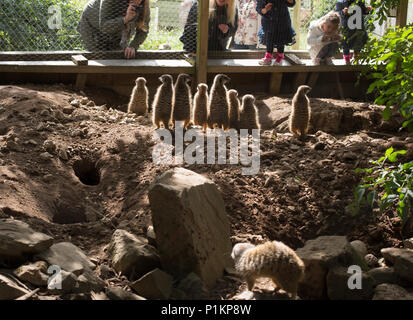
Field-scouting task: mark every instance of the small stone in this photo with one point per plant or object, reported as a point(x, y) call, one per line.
point(45, 156)
point(68, 109)
point(44, 113)
point(384, 275)
point(88, 281)
point(408, 243)
point(75, 103)
point(63, 154)
point(116, 293)
point(48, 178)
point(32, 142)
point(90, 104)
point(387, 291)
point(156, 284)
point(12, 146)
point(84, 100)
point(34, 273)
point(49, 146)
point(371, 260)
point(360, 247)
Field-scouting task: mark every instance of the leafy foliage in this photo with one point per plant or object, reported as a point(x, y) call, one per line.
point(389, 185)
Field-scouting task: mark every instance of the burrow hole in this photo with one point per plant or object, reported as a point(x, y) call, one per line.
point(87, 171)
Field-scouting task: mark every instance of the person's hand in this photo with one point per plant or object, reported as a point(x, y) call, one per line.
point(345, 10)
point(267, 8)
point(130, 52)
point(130, 13)
point(223, 27)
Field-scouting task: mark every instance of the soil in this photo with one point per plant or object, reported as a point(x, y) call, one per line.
point(300, 192)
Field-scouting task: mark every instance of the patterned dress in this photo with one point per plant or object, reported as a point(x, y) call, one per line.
point(249, 22)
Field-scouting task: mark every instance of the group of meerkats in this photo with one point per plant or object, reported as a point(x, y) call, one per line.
point(220, 108)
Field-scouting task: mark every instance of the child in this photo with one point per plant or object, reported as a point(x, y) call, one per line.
point(249, 23)
point(323, 38)
point(276, 24)
point(353, 38)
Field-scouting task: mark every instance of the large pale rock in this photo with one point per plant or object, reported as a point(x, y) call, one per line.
point(68, 257)
point(10, 289)
point(321, 254)
point(191, 225)
point(388, 291)
point(88, 281)
point(34, 273)
point(360, 247)
point(338, 287)
point(391, 254)
point(154, 285)
point(132, 255)
point(17, 240)
point(404, 265)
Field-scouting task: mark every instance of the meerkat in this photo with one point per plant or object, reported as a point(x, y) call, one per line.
point(218, 103)
point(138, 102)
point(182, 100)
point(234, 107)
point(162, 102)
point(249, 115)
point(272, 259)
point(201, 107)
point(300, 112)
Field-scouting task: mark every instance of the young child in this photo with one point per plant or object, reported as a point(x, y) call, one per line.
point(353, 38)
point(249, 23)
point(276, 24)
point(322, 38)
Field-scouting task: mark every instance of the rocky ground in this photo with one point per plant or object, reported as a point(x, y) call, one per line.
point(76, 170)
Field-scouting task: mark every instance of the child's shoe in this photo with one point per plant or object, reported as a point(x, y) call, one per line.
point(347, 58)
point(279, 58)
point(267, 60)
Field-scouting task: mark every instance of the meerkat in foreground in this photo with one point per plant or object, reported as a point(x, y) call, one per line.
point(300, 112)
point(218, 103)
point(234, 107)
point(272, 259)
point(182, 100)
point(138, 102)
point(162, 102)
point(201, 107)
point(249, 114)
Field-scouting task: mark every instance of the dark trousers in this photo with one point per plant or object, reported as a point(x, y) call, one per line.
point(328, 51)
point(270, 43)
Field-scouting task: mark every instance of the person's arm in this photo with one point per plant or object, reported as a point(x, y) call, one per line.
point(315, 36)
point(363, 7)
point(188, 37)
point(107, 24)
point(290, 3)
point(141, 35)
point(233, 28)
point(261, 5)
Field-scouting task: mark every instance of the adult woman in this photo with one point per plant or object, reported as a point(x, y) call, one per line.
point(249, 23)
point(223, 22)
point(104, 22)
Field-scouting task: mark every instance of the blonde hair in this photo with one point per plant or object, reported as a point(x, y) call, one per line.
point(231, 10)
point(331, 17)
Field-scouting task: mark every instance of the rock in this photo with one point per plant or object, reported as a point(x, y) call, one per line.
point(105, 272)
point(390, 254)
point(10, 289)
point(384, 275)
point(193, 287)
point(63, 154)
point(75, 103)
point(388, 291)
point(245, 295)
point(408, 243)
point(151, 236)
point(63, 282)
point(154, 285)
point(404, 265)
point(196, 237)
point(12, 146)
point(68, 109)
point(321, 254)
point(80, 115)
point(371, 260)
point(44, 113)
point(68, 257)
point(34, 273)
point(84, 100)
point(45, 156)
point(319, 146)
point(116, 293)
point(132, 255)
point(49, 146)
point(18, 240)
point(338, 289)
point(90, 104)
point(59, 115)
point(360, 247)
point(88, 282)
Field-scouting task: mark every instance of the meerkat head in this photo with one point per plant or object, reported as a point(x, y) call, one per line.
point(232, 93)
point(140, 82)
point(239, 250)
point(222, 79)
point(304, 89)
point(202, 87)
point(248, 99)
point(185, 78)
point(166, 78)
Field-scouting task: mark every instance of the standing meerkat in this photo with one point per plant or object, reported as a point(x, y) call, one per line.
point(182, 100)
point(201, 106)
point(138, 102)
point(272, 259)
point(249, 114)
point(234, 107)
point(300, 112)
point(218, 103)
point(162, 102)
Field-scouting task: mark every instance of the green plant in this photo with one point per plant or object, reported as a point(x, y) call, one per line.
point(387, 185)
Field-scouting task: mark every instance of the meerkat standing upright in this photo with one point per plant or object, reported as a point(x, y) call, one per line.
point(300, 112)
point(162, 102)
point(234, 107)
point(218, 103)
point(182, 100)
point(249, 115)
point(201, 107)
point(272, 259)
point(138, 102)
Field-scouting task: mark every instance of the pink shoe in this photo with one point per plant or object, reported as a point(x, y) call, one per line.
point(347, 58)
point(279, 58)
point(267, 60)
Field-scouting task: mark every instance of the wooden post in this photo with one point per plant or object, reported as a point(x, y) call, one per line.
point(401, 17)
point(275, 83)
point(202, 42)
point(296, 23)
point(299, 79)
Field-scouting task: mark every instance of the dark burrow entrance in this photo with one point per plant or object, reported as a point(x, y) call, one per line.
point(87, 171)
